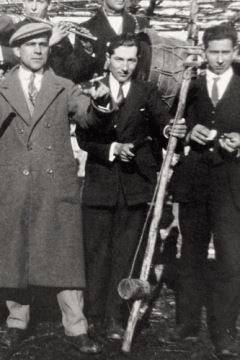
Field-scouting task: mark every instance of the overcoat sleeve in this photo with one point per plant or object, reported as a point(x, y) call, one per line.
point(83, 111)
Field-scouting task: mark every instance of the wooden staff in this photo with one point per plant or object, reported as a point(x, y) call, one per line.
point(162, 184)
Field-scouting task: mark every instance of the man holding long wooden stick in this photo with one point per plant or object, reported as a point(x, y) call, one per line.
point(121, 174)
point(206, 183)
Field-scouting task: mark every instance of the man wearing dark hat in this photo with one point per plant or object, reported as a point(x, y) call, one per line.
point(40, 218)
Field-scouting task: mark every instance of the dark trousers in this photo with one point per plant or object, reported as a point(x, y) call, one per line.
point(195, 227)
point(226, 229)
point(111, 236)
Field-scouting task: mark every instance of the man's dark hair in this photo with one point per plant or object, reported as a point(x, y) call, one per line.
point(126, 39)
point(220, 32)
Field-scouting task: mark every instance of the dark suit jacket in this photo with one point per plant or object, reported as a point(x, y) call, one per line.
point(81, 66)
point(193, 178)
point(142, 114)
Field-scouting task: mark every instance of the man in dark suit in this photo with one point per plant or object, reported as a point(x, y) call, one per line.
point(206, 183)
point(111, 20)
point(120, 180)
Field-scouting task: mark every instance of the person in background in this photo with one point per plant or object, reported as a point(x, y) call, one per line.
point(60, 45)
point(206, 185)
point(41, 239)
point(121, 174)
point(89, 57)
point(7, 57)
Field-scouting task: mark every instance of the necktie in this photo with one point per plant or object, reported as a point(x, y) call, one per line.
point(215, 95)
point(120, 95)
point(32, 90)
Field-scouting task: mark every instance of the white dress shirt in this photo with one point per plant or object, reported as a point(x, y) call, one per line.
point(116, 22)
point(222, 83)
point(114, 89)
point(24, 76)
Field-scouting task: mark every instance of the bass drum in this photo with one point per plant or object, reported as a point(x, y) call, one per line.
point(161, 63)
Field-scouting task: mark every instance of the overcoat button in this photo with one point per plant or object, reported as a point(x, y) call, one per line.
point(49, 147)
point(49, 171)
point(26, 172)
point(48, 125)
point(21, 131)
point(115, 126)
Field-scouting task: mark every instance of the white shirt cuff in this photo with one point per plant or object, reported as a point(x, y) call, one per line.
point(111, 152)
point(165, 132)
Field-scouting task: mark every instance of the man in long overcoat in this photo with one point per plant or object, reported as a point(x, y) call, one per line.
point(206, 183)
point(41, 242)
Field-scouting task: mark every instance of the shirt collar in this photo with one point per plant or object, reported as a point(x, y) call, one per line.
point(114, 84)
point(226, 76)
point(112, 13)
point(25, 73)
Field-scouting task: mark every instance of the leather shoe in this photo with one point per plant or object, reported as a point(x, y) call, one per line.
point(188, 333)
point(85, 344)
point(12, 338)
point(227, 347)
point(114, 329)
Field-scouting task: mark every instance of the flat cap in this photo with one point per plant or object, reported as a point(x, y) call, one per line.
point(28, 31)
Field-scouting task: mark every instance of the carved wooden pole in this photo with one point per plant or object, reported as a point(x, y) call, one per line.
point(162, 184)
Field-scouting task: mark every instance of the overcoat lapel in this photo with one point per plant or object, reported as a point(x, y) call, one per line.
point(50, 88)
point(15, 96)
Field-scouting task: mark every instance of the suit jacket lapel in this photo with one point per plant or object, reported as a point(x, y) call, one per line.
point(128, 23)
point(14, 95)
point(232, 90)
point(132, 101)
point(104, 26)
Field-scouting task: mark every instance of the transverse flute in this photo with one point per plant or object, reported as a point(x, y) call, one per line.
point(74, 31)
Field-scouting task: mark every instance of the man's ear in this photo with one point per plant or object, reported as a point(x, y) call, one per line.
point(16, 51)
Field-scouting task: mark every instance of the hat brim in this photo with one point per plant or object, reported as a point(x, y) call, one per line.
point(28, 32)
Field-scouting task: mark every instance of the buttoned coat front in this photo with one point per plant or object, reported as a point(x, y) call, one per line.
point(40, 219)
